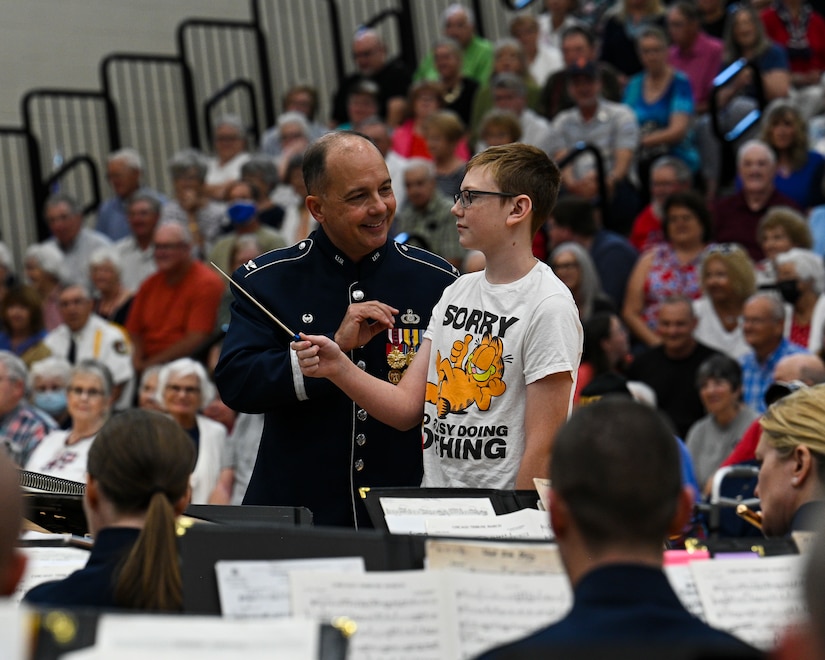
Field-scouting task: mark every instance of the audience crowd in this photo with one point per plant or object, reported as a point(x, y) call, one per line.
point(695, 261)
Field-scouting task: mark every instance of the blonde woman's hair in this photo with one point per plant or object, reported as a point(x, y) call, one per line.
point(796, 420)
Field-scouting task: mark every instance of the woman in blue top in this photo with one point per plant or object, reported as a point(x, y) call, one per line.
point(662, 99)
point(799, 170)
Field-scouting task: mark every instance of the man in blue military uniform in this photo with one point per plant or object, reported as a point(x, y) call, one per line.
point(318, 446)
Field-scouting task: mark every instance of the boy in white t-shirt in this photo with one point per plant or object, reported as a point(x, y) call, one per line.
point(493, 377)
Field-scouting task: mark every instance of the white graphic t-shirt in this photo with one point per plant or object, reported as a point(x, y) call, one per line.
point(489, 341)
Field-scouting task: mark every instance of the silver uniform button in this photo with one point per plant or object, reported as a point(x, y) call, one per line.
point(361, 415)
point(359, 465)
point(357, 295)
point(361, 365)
point(360, 439)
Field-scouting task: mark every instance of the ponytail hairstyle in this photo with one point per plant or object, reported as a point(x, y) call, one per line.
point(142, 462)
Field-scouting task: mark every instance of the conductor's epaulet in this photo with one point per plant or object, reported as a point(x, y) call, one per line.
point(425, 257)
point(277, 256)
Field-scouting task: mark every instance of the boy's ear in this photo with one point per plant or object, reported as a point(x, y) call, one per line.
point(522, 210)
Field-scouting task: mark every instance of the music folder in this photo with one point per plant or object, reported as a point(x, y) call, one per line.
point(502, 501)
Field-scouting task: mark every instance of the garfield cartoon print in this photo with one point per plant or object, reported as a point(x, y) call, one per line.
point(468, 377)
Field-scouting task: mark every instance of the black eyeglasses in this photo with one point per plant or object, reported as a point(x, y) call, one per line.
point(467, 197)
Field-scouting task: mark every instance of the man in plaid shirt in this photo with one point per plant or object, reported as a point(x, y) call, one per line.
point(763, 327)
point(22, 426)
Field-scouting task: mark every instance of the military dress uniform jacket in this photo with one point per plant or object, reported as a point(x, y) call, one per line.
point(318, 447)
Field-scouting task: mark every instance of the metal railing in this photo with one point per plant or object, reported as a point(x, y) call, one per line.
point(71, 125)
point(227, 94)
point(20, 196)
point(156, 111)
point(218, 52)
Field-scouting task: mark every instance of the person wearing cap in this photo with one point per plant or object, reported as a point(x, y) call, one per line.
point(243, 214)
point(791, 456)
point(577, 43)
point(613, 129)
point(391, 77)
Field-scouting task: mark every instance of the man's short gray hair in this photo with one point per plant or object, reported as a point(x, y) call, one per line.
point(420, 164)
point(777, 307)
point(186, 367)
point(15, 367)
point(48, 259)
point(261, 166)
point(152, 200)
point(231, 120)
point(103, 256)
point(458, 8)
point(509, 81)
point(808, 265)
point(128, 156)
point(750, 144)
point(185, 161)
point(51, 367)
point(63, 198)
point(294, 117)
point(679, 167)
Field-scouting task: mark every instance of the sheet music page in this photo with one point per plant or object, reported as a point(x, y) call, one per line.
point(400, 614)
point(754, 599)
point(496, 609)
point(523, 524)
point(492, 557)
point(15, 627)
point(134, 636)
point(404, 515)
point(45, 564)
point(681, 579)
point(260, 589)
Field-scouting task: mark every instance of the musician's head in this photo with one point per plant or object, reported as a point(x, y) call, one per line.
point(791, 453)
point(12, 561)
point(616, 482)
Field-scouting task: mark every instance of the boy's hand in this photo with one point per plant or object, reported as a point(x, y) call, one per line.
point(318, 355)
point(362, 322)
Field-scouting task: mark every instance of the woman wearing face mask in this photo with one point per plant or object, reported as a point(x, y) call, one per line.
point(243, 215)
point(48, 380)
point(800, 278)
